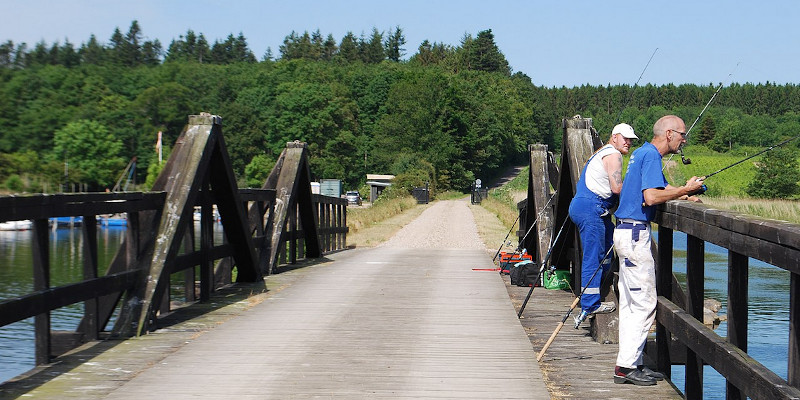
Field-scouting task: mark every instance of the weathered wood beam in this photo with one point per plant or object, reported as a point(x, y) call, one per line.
point(578, 143)
point(755, 380)
point(539, 204)
point(291, 180)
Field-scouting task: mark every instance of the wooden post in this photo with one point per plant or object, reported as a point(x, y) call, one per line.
point(90, 307)
point(695, 273)
point(343, 223)
point(737, 310)
point(794, 331)
point(664, 288)
point(206, 243)
point(539, 205)
point(293, 234)
point(41, 281)
point(189, 273)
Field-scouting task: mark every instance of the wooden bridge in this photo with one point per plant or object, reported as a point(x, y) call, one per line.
point(364, 323)
point(681, 338)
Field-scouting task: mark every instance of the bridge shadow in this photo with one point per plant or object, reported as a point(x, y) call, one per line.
point(183, 323)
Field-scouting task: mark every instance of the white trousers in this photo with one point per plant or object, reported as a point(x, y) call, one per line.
point(637, 291)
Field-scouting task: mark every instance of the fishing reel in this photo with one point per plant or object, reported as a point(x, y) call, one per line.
point(702, 190)
point(684, 160)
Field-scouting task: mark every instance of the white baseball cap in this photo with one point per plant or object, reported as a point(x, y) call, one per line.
point(625, 130)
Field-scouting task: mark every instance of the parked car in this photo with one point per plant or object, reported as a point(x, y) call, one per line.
point(353, 198)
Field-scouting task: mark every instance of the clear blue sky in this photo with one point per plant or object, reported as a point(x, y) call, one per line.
point(554, 42)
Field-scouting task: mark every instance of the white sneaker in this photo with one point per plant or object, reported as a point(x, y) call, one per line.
point(606, 307)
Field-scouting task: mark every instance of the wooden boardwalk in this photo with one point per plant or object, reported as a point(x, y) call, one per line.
point(374, 323)
point(575, 366)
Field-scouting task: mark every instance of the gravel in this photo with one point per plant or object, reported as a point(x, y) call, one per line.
point(446, 224)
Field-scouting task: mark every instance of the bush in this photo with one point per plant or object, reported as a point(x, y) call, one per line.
point(14, 183)
point(776, 176)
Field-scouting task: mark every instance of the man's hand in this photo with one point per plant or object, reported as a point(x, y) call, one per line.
point(694, 199)
point(693, 185)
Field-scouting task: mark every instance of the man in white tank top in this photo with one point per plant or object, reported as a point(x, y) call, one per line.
point(596, 195)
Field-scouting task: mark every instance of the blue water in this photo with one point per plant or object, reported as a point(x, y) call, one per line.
point(768, 321)
point(66, 266)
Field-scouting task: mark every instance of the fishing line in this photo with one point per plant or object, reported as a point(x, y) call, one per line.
point(754, 155)
point(509, 232)
point(684, 160)
point(633, 90)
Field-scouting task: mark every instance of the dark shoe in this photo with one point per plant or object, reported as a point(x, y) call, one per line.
point(653, 374)
point(635, 376)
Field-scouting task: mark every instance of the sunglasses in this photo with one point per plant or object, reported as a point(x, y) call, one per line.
point(677, 131)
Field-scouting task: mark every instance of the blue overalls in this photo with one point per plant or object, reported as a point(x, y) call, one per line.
point(592, 215)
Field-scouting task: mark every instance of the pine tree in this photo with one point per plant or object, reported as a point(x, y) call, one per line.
point(484, 55)
point(117, 43)
point(7, 54)
point(131, 49)
point(202, 50)
point(329, 48)
point(348, 48)
point(707, 130)
point(372, 50)
point(67, 56)
point(394, 45)
point(267, 55)
point(151, 52)
point(777, 175)
point(92, 52)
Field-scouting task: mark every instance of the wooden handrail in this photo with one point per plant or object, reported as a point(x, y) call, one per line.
point(773, 242)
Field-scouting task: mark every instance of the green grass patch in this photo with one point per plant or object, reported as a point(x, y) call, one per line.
point(784, 210)
point(731, 182)
point(450, 195)
point(382, 209)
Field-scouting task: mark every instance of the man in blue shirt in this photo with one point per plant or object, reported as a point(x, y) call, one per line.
point(645, 187)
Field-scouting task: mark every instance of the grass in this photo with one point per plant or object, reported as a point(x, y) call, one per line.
point(502, 201)
point(784, 210)
point(491, 229)
point(450, 195)
point(373, 225)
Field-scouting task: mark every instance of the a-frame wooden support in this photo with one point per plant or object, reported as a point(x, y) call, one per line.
point(291, 180)
point(539, 205)
point(199, 161)
point(579, 142)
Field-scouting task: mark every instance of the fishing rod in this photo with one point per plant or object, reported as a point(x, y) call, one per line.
point(754, 155)
point(582, 316)
point(572, 307)
point(519, 246)
point(684, 160)
point(634, 87)
point(506, 238)
point(541, 268)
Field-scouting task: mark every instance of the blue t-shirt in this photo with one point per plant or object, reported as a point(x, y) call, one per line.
point(644, 172)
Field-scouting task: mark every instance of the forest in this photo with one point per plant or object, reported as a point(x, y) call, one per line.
point(444, 114)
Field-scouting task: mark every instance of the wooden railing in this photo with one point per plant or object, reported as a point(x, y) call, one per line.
point(773, 242)
point(331, 216)
point(123, 277)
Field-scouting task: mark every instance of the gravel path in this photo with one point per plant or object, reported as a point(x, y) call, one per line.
point(445, 225)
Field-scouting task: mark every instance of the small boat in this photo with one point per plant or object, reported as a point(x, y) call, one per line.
point(23, 225)
point(112, 220)
point(66, 222)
